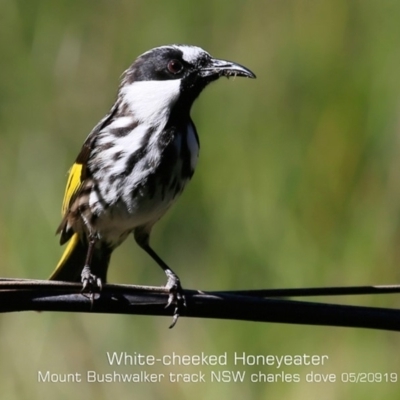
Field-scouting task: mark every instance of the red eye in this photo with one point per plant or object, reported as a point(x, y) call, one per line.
point(175, 66)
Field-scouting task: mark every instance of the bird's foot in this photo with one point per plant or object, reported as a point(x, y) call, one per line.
point(90, 283)
point(175, 296)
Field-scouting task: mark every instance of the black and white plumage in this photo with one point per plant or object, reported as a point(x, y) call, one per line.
point(136, 161)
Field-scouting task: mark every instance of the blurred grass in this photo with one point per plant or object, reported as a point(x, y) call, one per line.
point(298, 181)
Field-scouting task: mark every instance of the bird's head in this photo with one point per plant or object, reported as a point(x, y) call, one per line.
point(162, 76)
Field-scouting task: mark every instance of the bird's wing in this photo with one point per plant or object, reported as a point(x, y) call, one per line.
point(77, 175)
point(79, 171)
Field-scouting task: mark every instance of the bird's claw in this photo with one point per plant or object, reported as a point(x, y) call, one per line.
point(176, 296)
point(89, 281)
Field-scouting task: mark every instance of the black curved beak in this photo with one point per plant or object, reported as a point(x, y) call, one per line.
point(217, 68)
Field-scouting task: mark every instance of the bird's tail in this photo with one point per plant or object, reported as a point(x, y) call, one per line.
point(70, 266)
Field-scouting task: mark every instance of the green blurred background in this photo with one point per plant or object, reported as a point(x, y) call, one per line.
point(298, 183)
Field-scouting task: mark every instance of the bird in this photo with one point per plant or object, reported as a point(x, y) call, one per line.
point(135, 163)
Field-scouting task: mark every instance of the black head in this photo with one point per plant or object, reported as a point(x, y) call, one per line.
point(191, 65)
point(167, 79)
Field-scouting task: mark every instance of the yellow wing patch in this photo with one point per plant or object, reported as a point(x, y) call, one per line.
point(73, 185)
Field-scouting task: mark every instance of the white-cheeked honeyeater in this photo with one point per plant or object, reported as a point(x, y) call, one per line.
point(136, 162)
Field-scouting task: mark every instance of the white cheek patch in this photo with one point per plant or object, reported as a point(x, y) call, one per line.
point(151, 101)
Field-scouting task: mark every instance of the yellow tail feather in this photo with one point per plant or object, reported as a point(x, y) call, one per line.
point(72, 243)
